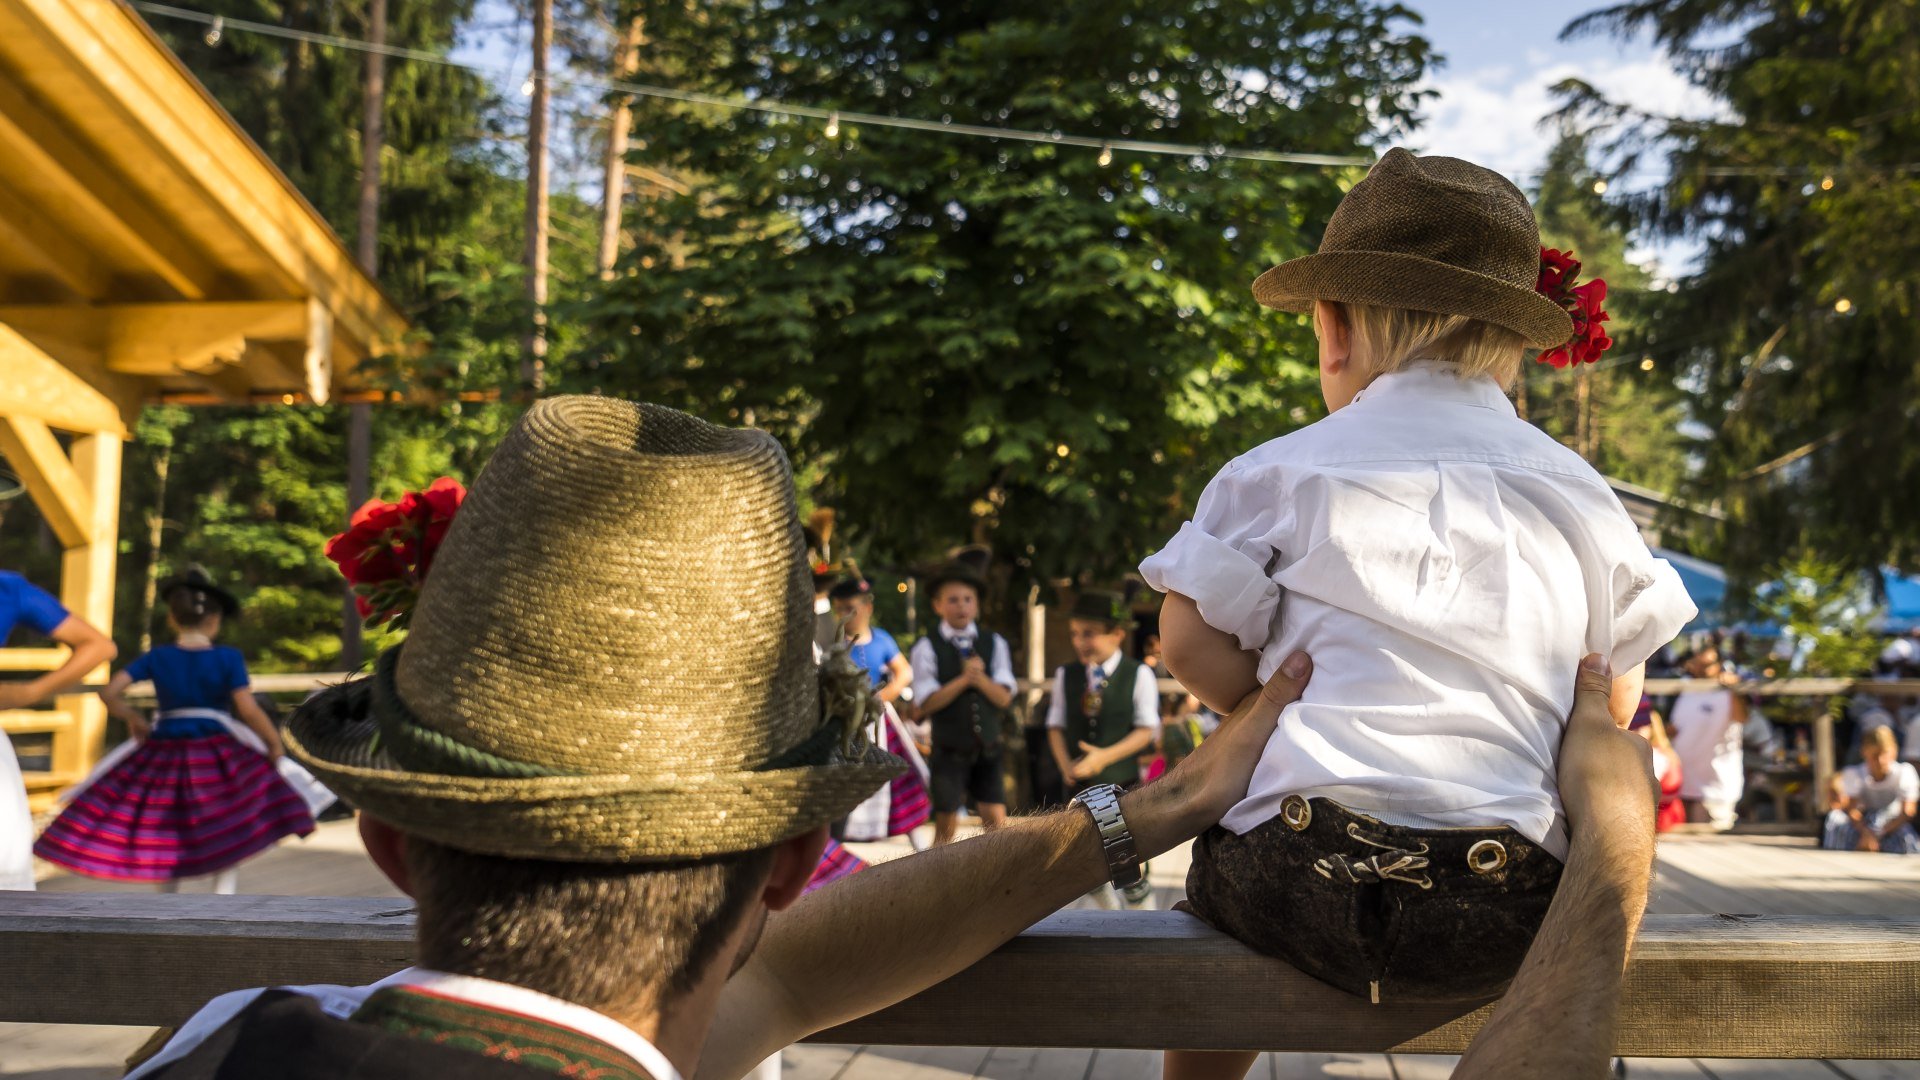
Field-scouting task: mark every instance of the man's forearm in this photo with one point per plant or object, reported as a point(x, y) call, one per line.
point(1558, 1017)
point(871, 939)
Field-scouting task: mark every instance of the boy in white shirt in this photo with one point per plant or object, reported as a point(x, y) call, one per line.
point(1402, 836)
point(962, 684)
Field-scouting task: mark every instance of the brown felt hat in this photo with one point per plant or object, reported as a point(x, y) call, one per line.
point(612, 660)
point(1428, 234)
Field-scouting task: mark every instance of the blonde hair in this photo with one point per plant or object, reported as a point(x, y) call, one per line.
point(1880, 738)
point(1386, 339)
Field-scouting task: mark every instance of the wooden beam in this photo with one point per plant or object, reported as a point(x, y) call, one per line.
point(317, 362)
point(86, 589)
point(34, 385)
point(97, 51)
point(72, 186)
point(27, 235)
point(162, 339)
point(56, 486)
point(1698, 985)
point(33, 659)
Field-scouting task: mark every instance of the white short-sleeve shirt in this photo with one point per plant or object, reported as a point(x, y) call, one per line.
point(1446, 565)
point(1900, 785)
point(1146, 696)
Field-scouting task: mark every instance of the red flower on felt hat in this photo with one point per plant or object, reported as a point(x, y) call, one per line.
point(1558, 272)
point(388, 549)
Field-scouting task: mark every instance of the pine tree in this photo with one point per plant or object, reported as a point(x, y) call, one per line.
point(1798, 333)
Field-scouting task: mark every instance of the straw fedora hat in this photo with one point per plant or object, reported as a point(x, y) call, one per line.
point(612, 660)
point(1428, 234)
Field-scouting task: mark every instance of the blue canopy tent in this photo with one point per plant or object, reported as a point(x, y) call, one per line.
point(1903, 602)
point(1706, 585)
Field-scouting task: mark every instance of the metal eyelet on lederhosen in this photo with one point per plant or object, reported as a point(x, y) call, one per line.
point(1296, 812)
point(1487, 857)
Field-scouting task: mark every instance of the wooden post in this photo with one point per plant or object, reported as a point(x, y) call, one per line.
point(86, 588)
point(1822, 760)
point(1036, 647)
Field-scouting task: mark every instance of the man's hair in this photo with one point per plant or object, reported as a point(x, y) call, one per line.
point(1880, 738)
point(595, 934)
point(1386, 339)
point(589, 933)
point(1107, 626)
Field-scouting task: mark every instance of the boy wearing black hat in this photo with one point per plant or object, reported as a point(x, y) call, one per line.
point(1106, 708)
point(963, 682)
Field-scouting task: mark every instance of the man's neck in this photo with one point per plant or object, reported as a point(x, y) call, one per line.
point(960, 628)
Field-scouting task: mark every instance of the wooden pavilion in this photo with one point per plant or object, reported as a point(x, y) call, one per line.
point(148, 252)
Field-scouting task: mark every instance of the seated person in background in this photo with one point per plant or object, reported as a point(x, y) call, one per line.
point(1874, 802)
point(1666, 765)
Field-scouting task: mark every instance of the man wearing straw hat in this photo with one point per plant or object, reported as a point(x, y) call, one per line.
point(599, 896)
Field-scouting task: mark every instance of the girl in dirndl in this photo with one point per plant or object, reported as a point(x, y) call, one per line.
point(202, 786)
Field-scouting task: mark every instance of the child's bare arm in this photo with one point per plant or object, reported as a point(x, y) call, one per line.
point(1210, 663)
point(1624, 701)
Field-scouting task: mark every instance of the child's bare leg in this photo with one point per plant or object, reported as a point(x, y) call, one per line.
point(944, 825)
point(1207, 1064)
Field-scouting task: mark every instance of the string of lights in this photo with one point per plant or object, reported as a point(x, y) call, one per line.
point(218, 25)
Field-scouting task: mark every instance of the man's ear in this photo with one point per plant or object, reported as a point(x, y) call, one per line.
point(387, 846)
point(794, 861)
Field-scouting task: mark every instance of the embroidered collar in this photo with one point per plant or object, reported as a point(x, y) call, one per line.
point(513, 1023)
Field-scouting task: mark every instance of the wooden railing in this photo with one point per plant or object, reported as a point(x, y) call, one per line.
point(1697, 986)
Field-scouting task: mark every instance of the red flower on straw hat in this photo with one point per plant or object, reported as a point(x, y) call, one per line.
point(388, 549)
point(1558, 271)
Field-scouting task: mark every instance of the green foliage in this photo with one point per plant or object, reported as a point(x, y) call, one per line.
point(997, 339)
point(1821, 607)
point(1811, 408)
point(1621, 418)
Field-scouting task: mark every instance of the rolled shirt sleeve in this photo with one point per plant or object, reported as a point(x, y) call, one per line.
point(1146, 700)
point(926, 669)
point(1219, 559)
point(1057, 708)
point(1651, 606)
point(1002, 671)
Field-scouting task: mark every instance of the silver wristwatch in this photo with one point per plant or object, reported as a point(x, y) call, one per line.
point(1123, 862)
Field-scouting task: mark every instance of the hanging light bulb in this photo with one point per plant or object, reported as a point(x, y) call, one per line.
point(833, 126)
point(1826, 183)
point(526, 88)
point(1646, 363)
point(1106, 155)
point(213, 32)
point(1843, 305)
point(1599, 187)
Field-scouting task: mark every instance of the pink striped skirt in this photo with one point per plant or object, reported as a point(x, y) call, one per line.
point(176, 807)
point(836, 862)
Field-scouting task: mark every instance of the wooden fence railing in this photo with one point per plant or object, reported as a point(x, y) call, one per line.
point(1697, 986)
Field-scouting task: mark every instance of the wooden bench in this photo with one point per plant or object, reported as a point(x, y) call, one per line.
point(1698, 985)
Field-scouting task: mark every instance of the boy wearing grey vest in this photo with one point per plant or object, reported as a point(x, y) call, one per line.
point(962, 683)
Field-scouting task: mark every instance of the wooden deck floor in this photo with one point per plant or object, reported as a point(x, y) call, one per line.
point(1696, 874)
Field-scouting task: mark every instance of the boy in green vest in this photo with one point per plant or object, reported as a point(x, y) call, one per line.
point(1106, 708)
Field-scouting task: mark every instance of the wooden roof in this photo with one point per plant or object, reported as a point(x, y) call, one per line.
point(147, 246)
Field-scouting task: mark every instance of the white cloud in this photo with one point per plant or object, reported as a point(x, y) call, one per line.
point(1492, 115)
